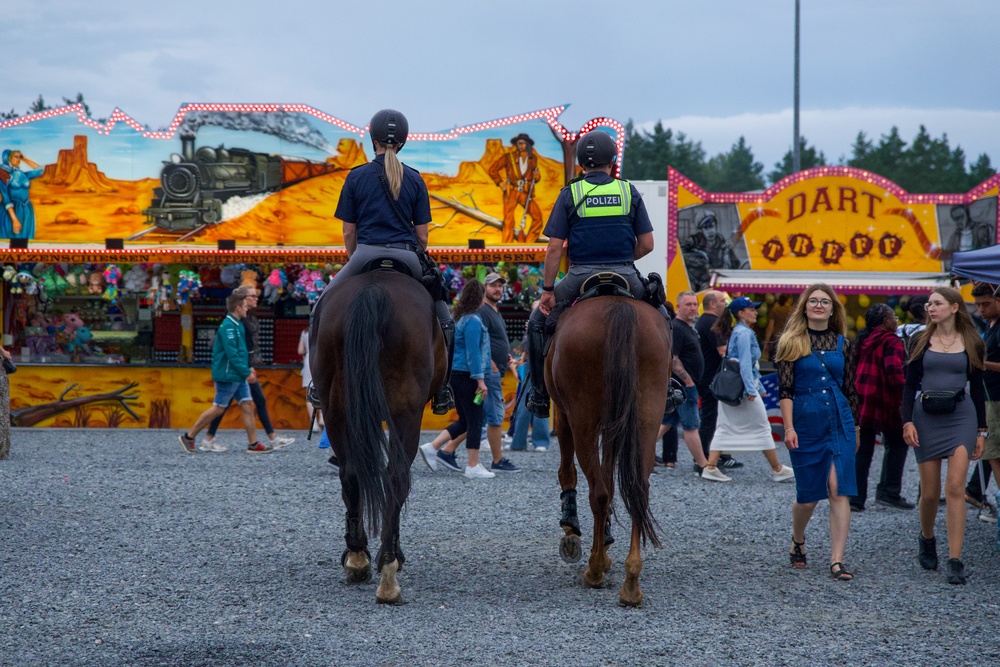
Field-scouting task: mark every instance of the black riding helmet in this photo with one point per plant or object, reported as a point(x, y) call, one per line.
point(389, 126)
point(596, 149)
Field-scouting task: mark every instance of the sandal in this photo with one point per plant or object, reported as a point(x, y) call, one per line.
point(797, 556)
point(839, 572)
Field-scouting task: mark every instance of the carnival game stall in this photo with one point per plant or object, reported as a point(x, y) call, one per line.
point(112, 294)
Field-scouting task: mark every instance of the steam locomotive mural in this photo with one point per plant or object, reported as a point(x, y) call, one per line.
point(195, 184)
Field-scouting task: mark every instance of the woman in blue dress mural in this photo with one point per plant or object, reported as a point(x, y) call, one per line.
point(817, 398)
point(17, 217)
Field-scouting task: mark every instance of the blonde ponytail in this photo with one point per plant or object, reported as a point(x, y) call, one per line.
point(393, 171)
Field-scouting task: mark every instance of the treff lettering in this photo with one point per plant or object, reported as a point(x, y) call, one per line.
point(847, 199)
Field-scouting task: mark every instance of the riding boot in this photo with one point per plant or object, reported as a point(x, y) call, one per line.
point(443, 401)
point(537, 400)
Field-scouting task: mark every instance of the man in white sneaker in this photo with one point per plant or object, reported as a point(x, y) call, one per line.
point(231, 373)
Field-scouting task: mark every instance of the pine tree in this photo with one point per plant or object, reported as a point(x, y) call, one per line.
point(809, 157)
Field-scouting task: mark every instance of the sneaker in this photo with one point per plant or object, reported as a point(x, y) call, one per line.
point(259, 448)
point(729, 463)
point(856, 507)
point(212, 445)
point(335, 463)
point(956, 571)
point(448, 461)
point(543, 448)
point(782, 475)
point(279, 442)
point(429, 455)
point(899, 502)
point(478, 472)
point(715, 475)
point(988, 514)
point(659, 460)
point(187, 443)
point(504, 465)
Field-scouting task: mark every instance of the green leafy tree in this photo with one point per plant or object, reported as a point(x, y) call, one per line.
point(980, 170)
point(735, 171)
point(648, 155)
point(809, 157)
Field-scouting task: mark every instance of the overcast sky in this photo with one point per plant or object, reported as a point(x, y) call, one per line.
point(714, 69)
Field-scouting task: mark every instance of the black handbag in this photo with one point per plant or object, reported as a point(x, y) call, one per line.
point(940, 401)
point(9, 366)
point(727, 385)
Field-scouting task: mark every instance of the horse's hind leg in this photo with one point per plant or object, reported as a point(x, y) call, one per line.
point(356, 559)
point(570, 549)
point(390, 557)
point(630, 595)
point(600, 505)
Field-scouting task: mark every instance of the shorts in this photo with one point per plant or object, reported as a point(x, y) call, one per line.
point(687, 414)
point(493, 404)
point(992, 449)
point(228, 391)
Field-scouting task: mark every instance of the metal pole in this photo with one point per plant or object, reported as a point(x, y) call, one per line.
point(796, 157)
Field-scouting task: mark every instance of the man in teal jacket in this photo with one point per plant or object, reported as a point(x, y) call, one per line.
point(231, 372)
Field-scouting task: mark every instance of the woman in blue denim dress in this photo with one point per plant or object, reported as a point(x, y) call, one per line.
point(817, 399)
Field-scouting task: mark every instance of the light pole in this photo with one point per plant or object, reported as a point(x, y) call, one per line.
point(796, 157)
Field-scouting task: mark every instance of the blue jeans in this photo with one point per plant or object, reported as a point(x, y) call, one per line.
point(493, 405)
point(231, 391)
point(686, 413)
point(522, 418)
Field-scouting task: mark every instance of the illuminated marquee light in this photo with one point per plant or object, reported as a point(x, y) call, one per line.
point(676, 180)
point(549, 115)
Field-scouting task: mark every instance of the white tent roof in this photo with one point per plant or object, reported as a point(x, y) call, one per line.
point(846, 282)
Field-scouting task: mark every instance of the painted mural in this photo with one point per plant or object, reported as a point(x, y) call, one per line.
point(823, 219)
point(267, 175)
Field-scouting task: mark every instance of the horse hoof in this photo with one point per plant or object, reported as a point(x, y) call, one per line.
point(358, 576)
point(592, 581)
point(396, 600)
point(633, 602)
point(569, 549)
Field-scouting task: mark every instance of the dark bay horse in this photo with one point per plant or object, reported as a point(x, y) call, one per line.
point(379, 356)
point(608, 372)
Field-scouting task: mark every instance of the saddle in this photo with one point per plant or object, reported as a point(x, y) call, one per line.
point(386, 264)
point(605, 283)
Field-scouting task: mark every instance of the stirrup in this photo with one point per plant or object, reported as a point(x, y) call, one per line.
point(312, 397)
point(443, 401)
point(537, 403)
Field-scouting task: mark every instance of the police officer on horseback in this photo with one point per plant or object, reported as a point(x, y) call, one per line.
point(604, 222)
point(385, 210)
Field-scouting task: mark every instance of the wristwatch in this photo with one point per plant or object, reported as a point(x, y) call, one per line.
point(983, 433)
point(548, 288)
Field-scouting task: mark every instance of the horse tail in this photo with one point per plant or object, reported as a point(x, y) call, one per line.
point(365, 404)
point(620, 418)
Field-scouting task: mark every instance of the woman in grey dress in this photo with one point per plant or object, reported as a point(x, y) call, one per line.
point(946, 356)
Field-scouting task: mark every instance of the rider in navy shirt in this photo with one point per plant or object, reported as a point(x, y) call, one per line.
point(376, 227)
point(606, 227)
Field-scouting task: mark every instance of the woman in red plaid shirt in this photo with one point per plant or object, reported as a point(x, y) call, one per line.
point(879, 357)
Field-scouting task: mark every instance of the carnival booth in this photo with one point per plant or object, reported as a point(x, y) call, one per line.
point(856, 231)
point(127, 242)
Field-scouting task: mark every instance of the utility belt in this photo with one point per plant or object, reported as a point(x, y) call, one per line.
point(399, 246)
point(521, 184)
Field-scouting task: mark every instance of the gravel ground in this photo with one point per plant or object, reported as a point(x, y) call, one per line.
point(119, 549)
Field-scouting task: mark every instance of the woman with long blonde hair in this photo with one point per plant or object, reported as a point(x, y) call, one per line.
point(946, 357)
point(818, 401)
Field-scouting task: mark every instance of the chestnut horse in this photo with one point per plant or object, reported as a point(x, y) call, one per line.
point(608, 372)
point(378, 358)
